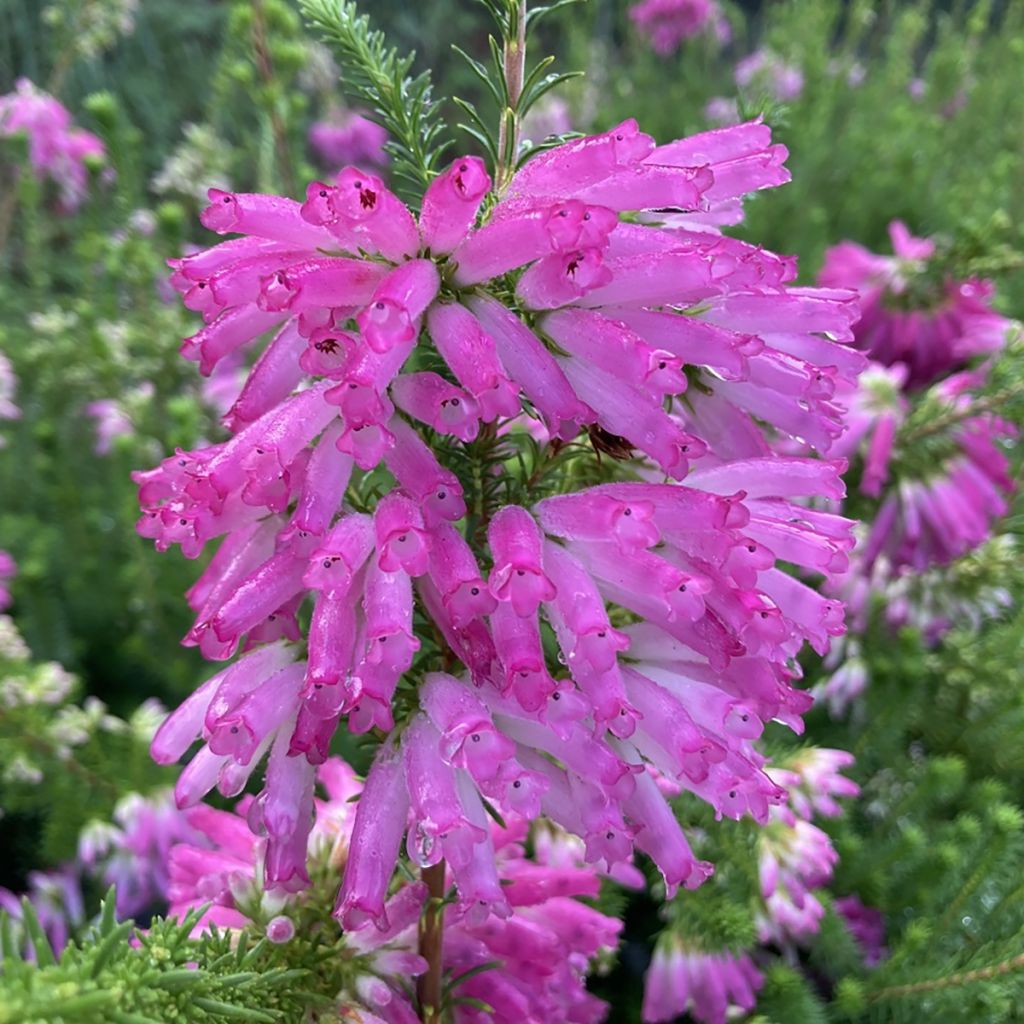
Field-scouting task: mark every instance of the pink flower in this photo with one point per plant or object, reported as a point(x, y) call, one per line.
point(8, 570)
point(111, 422)
point(666, 23)
point(765, 70)
point(56, 897)
point(931, 333)
point(867, 926)
point(56, 150)
point(722, 111)
point(346, 137)
point(540, 937)
point(707, 986)
point(796, 857)
point(553, 305)
point(132, 853)
point(8, 386)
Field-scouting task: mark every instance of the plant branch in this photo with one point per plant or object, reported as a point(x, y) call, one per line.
point(431, 945)
point(950, 981)
point(515, 71)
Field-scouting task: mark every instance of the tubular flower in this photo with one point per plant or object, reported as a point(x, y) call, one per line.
point(707, 986)
point(931, 328)
point(796, 857)
point(948, 508)
point(524, 919)
point(385, 326)
point(55, 149)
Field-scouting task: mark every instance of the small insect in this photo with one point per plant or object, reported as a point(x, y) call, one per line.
point(606, 443)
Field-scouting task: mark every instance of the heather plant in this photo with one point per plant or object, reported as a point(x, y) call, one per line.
point(518, 492)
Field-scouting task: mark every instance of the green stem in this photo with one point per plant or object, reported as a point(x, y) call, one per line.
point(515, 71)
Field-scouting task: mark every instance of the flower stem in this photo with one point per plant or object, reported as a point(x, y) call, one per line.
point(431, 945)
point(515, 71)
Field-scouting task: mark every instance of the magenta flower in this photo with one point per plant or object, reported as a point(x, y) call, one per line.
point(930, 337)
point(56, 150)
point(950, 511)
point(867, 926)
point(707, 986)
point(524, 917)
point(389, 328)
point(345, 137)
point(875, 409)
point(56, 898)
point(8, 570)
point(665, 24)
point(132, 852)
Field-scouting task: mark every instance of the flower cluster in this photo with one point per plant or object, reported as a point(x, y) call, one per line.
point(56, 150)
point(346, 137)
point(667, 23)
point(930, 333)
point(539, 944)
point(56, 897)
point(706, 985)
point(486, 650)
point(797, 857)
point(921, 331)
point(132, 852)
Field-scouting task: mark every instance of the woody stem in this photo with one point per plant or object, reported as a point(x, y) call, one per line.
point(431, 945)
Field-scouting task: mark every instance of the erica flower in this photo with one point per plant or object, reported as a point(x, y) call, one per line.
point(795, 856)
point(867, 926)
point(56, 898)
point(430, 628)
point(666, 23)
point(949, 510)
point(707, 986)
point(875, 409)
point(931, 329)
point(539, 941)
point(56, 149)
point(345, 137)
point(132, 852)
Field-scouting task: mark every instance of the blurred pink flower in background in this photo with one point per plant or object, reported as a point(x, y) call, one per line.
point(56, 150)
point(346, 137)
point(766, 70)
point(667, 23)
